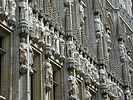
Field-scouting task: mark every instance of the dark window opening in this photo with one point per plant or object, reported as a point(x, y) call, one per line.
point(0, 71)
point(54, 86)
point(0, 42)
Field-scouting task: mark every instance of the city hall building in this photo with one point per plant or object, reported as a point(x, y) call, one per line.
point(66, 49)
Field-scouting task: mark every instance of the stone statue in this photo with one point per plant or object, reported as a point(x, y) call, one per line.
point(12, 8)
point(94, 71)
point(81, 62)
point(53, 38)
point(81, 11)
point(23, 14)
point(30, 16)
point(120, 93)
point(31, 55)
point(47, 35)
point(36, 30)
point(88, 71)
point(98, 24)
point(122, 50)
point(108, 38)
point(73, 87)
point(128, 94)
point(57, 43)
point(70, 49)
point(49, 73)
point(88, 95)
point(62, 45)
point(23, 52)
point(41, 33)
point(111, 86)
point(103, 75)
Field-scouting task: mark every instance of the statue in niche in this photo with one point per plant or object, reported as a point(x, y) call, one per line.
point(81, 11)
point(31, 55)
point(128, 94)
point(12, 7)
point(23, 14)
point(49, 73)
point(128, 58)
point(62, 45)
point(41, 33)
point(98, 23)
point(70, 49)
point(88, 95)
point(103, 75)
point(76, 59)
point(47, 35)
point(57, 43)
point(120, 93)
point(88, 70)
point(35, 30)
point(73, 87)
point(23, 52)
point(30, 16)
point(111, 86)
point(53, 38)
point(122, 50)
point(108, 38)
point(94, 71)
point(81, 61)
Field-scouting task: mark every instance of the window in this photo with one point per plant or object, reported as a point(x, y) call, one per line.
point(0, 73)
point(57, 83)
point(0, 60)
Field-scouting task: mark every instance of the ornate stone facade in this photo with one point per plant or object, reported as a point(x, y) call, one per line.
point(66, 50)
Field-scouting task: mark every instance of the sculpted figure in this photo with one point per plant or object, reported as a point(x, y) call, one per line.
point(112, 87)
point(23, 14)
point(128, 94)
point(88, 71)
point(108, 39)
point(81, 61)
point(23, 52)
point(87, 94)
point(73, 87)
point(31, 55)
point(53, 38)
point(81, 11)
point(30, 16)
point(41, 33)
point(36, 30)
point(12, 7)
point(57, 42)
point(70, 49)
point(122, 50)
point(120, 93)
point(98, 24)
point(47, 35)
point(103, 75)
point(62, 45)
point(94, 71)
point(49, 73)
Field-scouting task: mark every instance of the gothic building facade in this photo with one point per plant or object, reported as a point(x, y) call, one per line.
point(66, 49)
